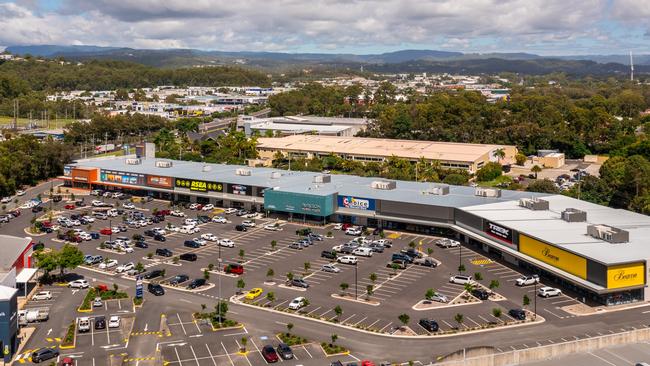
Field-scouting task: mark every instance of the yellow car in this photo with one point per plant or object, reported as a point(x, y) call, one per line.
point(253, 293)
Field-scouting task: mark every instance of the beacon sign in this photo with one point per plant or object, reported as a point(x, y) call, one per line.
point(356, 203)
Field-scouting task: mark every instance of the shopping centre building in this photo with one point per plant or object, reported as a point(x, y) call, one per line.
point(599, 252)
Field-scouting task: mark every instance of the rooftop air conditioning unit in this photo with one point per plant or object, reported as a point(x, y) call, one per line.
point(322, 178)
point(383, 184)
point(534, 204)
point(133, 161)
point(276, 175)
point(243, 172)
point(608, 233)
point(164, 164)
point(206, 168)
point(487, 192)
point(574, 215)
point(438, 190)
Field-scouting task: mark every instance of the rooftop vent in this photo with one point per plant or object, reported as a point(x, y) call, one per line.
point(133, 161)
point(487, 192)
point(243, 172)
point(608, 233)
point(164, 164)
point(322, 178)
point(534, 204)
point(383, 184)
point(206, 168)
point(574, 215)
point(437, 190)
point(276, 175)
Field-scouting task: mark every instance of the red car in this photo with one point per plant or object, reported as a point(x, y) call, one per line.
point(199, 207)
point(163, 212)
point(234, 268)
point(15, 212)
point(46, 224)
point(106, 231)
point(367, 363)
point(346, 226)
point(67, 361)
point(70, 207)
point(269, 354)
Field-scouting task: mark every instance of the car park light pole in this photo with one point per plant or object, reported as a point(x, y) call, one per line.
point(535, 306)
point(110, 230)
point(219, 270)
point(356, 286)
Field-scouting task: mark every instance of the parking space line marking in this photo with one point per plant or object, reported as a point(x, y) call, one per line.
point(364, 318)
point(197, 327)
point(305, 348)
point(602, 359)
point(214, 362)
point(260, 352)
point(194, 354)
point(385, 326)
point(179, 358)
point(309, 313)
point(449, 325)
point(552, 313)
point(373, 323)
point(181, 323)
point(225, 350)
point(348, 318)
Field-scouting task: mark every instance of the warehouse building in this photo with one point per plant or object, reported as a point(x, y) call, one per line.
point(300, 125)
point(599, 252)
point(470, 157)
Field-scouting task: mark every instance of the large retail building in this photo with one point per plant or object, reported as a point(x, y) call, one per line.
point(599, 252)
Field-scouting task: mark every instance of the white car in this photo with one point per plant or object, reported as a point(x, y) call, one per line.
point(248, 223)
point(352, 231)
point(189, 229)
point(194, 206)
point(114, 321)
point(158, 230)
point(227, 243)
point(5, 200)
point(461, 280)
point(125, 267)
point(126, 249)
point(439, 298)
point(527, 280)
point(20, 192)
point(549, 291)
point(78, 284)
point(96, 203)
point(447, 243)
point(385, 242)
point(251, 215)
point(229, 211)
point(208, 207)
point(338, 226)
point(89, 218)
point(43, 295)
point(108, 264)
point(190, 222)
point(272, 227)
point(219, 219)
point(128, 205)
point(118, 194)
point(200, 241)
point(173, 228)
point(362, 252)
point(85, 236)
point(297, 303)
point(330, 268)
point(177, 213)
point(209, 236)
point(347, 259)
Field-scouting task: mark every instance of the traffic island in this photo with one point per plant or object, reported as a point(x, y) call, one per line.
point(360, 300)
point(86, 305)
point(69, 340)
point(291, 339)
point(332, 349)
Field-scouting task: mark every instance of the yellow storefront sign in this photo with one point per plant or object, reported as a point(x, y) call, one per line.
point(553, 256)
point(625, 275)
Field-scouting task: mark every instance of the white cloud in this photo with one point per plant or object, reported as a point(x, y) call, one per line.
point(296, 25)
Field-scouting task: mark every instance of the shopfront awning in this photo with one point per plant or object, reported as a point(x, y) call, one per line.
point(26, 275)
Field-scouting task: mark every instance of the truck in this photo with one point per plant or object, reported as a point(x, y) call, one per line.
point(33, 315)
point(99, 149)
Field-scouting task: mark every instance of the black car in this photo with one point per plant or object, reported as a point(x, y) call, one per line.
point(285, 351)
point(156, 289)
point(164, 252)
point(329, 254)
point(149, 232)
point(401, 256)
point(36, 209)
point(191, 244)
point(178, 279)
point(159, 237)
point(241, 228)
point(44, 354)
point(190, 257)
point(197, 283)
point(412, 253)
point(100, 323)
point(158, 218)
point(138, 237)
point(480, 294)
point(203, 219)
point(299, 282)
point(429, 324)
point(518, 314)
point(141, 244)
point(153, 274)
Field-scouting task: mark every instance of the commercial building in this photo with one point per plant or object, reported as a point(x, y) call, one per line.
point(15, 273)
point(599, 252)
point(293, 125)
point(469, 157)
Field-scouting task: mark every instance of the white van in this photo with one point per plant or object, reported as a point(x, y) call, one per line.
point(363, 252)
point(83, 324)
point(189, 229)
point(461, 280)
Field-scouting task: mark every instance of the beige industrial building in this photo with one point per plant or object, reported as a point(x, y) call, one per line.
point(469, 157)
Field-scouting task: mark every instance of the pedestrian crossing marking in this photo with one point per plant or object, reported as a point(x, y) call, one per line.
point(481, 261)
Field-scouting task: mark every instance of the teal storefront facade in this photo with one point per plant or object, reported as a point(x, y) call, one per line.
point(299, 203)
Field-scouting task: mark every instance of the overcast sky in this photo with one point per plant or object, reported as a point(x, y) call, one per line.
point(547, 27)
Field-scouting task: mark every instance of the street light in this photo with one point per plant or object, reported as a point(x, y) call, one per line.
point(535, 294)
point(460, 256)
point(355, 281)
point(219, 270)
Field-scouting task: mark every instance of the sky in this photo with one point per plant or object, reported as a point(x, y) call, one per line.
point(545, 27)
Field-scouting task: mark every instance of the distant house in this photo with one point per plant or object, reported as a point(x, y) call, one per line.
point(204, 136)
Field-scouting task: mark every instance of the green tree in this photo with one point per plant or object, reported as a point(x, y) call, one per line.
point(478, 276)
point(404, 319)
point(334, 338)
point(289, 327)
point(459, 318)
point(289, 276)
point(429, 294)
point(494, 284)
point(70, 257)
point(542, 186)
point(369, 291)
point(526, 301)
point(461, 268)
point(520, 159)
point(344, 286)
point(372, 277)
point(270, 296)
point(269, 274)
point(240, 285)
point(535, 170)
point(338, 311)
point(274, 243)
point(497, 313)
point(306, 266)
point(489, 171)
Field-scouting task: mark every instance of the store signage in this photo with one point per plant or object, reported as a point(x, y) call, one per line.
point(158, 181)
point(239, 189)
point(498, 231)
point(625, 275)
point(122, 178)
point(67, 171)
point(554, 256)
point(356, 203)
point(199, 185)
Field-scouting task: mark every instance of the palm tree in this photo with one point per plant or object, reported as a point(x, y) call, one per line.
point(499, 153)
point(535, 169)
point(459, 318)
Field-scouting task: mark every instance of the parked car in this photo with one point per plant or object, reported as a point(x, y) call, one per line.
point(401, 256)
point(234, 268)
point(227, 243)
point(352, 231)
point(44, 354)
point(164, 252)
point(156, 289)
point(299, 282)
point(219, 219)
point(447, 243)
point(461, 280)
point(197, 283)
point(240, 228)
point(480, 294)
point(527, 280)
point(272, 227)
point(330, 268)
point(142, 245)
point(209, 236)
point(83, 324)
point(269, 354)
point(78, 284)
point(248, 223)
point(100, 322)
point(191, 244)
point(253, 293)
point(363, 252)
point(108, 264)
point(42, 296)
point(429, 324)
point(347, 259)
point(190, 257)
point(426, 262)
point(438, 297)
point(178, 279)
point(285, 351)
point(97, 302)
point(329, 254)
point(297, 303)
point(154, 274)
point(114, 322)
point(549, 291)
point(518, 314)
point(125, 267)
point(159, 237)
